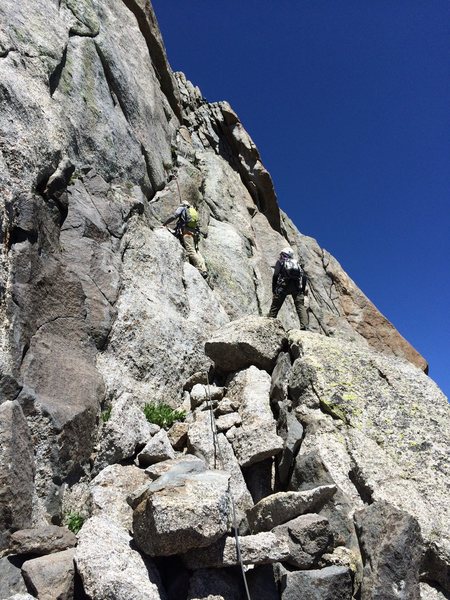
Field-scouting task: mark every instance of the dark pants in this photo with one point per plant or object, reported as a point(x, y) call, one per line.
point(279, 296)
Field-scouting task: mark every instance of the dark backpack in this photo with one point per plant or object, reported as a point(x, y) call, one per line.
point(291, 270)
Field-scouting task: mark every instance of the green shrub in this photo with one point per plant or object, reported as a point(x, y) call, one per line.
point(105, 414)
point(162, 414)
point(74, 522)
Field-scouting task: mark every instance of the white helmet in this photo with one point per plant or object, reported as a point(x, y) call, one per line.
point(287, 253)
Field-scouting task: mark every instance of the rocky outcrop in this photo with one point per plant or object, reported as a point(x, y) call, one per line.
point(101, 315)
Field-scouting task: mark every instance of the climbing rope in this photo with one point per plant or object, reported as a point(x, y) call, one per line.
point(218, 453)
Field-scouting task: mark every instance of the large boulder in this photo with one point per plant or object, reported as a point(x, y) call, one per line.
point(11, 580)
point(392, 550)
point(285, 506)
point(42, 540)
point(378, 426)
point(109, 491)
point(308, 537)
point(256, 439)
point(16, 471)
point(51, 576)
point(201, 444)
point(187, 510)
point(247, 341)
point(330, 583)
point(259, 549)
point(109, 567)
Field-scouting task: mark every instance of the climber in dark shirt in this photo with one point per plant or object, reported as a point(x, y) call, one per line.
point(289, 279)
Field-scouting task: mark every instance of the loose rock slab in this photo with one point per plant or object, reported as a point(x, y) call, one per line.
point(392, 548)
point(285, 506)
point(189, 511)
point(259, 549)
point(109, 567)
point(307, 536)
point(257, 438)
point(244, 342)
point(156, 450)
point(51, 576)
point(331, 583)
point(42, 540)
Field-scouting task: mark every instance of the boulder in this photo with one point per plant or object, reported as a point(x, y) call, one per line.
point(428, 592)
point(189, 510)
point(285, 506)
point(392, 550)
point(11, 580)
point(51, 577)
point(201, 393)
point(156, 450)
point(109, 491)
point(379, 427)
point(16, 471)
point(256, 439)
point(178, 435)
point(42, 540)
point(259, 549)
point(125, 430)
point(109, 567)
point(202, 445)
point(331, 583)
point(308, 537)
point(245, 342)
point(225, 422)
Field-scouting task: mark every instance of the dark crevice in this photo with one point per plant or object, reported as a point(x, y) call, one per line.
point(19, 235)
point(157, 55)
point(55, 77)
point(364, 491)
point(4, 53)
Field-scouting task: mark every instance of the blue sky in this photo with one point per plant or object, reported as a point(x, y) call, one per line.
point(349, 105)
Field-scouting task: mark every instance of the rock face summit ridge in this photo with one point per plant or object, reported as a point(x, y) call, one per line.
point(331, 442)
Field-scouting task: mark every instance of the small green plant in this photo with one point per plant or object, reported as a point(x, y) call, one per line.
point(162, 414)
point(105, 414)
point(74, 522)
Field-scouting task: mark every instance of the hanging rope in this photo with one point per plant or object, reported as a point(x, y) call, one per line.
point(218, 453)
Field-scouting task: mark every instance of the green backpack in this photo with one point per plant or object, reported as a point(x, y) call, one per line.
point(190, 218)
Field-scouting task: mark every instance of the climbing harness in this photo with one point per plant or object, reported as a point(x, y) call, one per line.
point(218, 453)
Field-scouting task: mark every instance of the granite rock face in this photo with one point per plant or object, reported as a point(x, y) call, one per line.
point(101, 313)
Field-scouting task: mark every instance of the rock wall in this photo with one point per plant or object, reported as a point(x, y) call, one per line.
point(102, 314)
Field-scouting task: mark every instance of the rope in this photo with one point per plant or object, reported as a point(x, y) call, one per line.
point(218, 452)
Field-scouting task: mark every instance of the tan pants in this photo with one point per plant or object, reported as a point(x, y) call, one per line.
point(195, 258)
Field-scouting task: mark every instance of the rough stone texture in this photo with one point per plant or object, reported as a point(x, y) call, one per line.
point(259, 549)
point(291, 431)
point(125, 430)
point(11, 580)
point(214, 584)
point(430, 593)
point(42, 540)
point(392, 549)
point(201, 444)
point(16, 471)
point(109, 491)
point(308, 537)
point(331, 583)
point(385, 423)
point(285, 506)
point(225, 422)
point(178, 435)
point(156, 450)
point(201, 393)
point(280, 376)
point(187, 511)
point(109, 567)
point(256, 439)
point(245, 342)
point(51, 577)
point(21, 597)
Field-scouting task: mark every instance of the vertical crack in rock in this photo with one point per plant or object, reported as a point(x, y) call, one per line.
point(146, 21)
point(113, 88)
point(55, 77)
point(364, 490)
